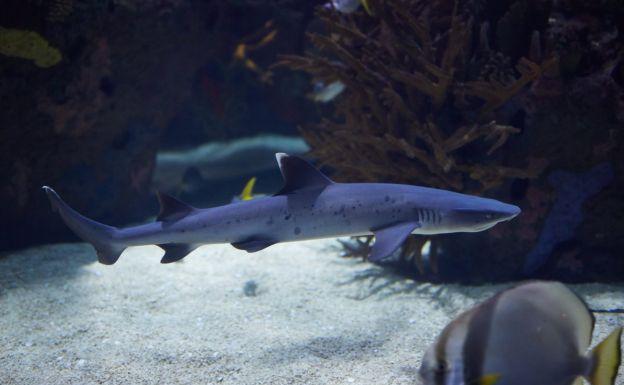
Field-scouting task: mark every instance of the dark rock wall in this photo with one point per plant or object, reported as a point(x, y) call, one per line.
point(135, 76)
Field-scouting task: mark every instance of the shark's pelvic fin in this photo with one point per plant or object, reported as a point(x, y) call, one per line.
point(388, 239)
point(299, 174)
point(102, 237)
point(172, 209)
point(253, 244)
point(176, 251)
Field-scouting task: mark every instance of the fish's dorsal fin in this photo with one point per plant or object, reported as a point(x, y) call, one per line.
point(605, 359)
point(172, 209)
point(298, 174)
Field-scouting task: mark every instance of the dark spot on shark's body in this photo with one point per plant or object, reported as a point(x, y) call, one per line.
point(387, 198)
point(297, 230)
point(287, 217)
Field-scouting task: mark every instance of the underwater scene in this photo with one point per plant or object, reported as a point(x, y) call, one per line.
point(287, 192)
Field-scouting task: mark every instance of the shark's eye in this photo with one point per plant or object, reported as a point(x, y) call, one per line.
point(489, 216)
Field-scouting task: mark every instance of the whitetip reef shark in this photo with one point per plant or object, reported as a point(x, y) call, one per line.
point(309, 206)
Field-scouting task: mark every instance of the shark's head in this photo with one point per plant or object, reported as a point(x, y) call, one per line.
point(479, 214)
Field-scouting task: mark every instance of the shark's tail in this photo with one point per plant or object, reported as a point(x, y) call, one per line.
point(103, 238)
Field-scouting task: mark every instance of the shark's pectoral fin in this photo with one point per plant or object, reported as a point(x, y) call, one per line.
point(176, 251)
point(388, 239)
point(299, 174)
point(172, 209)
point(252, 245)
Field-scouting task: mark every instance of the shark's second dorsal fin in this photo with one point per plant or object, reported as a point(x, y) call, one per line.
point(298, 174)
point(172, 209)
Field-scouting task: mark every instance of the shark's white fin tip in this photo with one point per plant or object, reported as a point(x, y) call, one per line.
point(279, 156)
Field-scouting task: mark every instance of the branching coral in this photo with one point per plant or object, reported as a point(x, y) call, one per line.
point(415, 110)
point(411, 106)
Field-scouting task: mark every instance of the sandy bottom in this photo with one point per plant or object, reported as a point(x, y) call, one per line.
point(291, 314)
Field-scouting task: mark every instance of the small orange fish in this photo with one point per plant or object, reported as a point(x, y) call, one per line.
point(253, 42)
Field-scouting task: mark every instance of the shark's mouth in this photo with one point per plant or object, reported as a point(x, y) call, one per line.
point(486, 226)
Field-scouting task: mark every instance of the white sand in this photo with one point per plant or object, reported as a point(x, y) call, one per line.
point(316, 318)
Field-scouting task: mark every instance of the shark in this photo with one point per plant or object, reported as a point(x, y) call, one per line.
point(308, 206)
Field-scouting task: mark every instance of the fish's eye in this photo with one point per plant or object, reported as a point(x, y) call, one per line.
point(489, 216)
point(441, 366)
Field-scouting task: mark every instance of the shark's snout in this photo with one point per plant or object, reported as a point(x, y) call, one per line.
point(510, 212)
point(481, 214)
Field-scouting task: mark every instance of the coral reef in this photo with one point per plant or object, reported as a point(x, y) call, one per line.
point(411, 106)
point(84, 97)
point(91, 124)
point(135, 77)
point(475, 96)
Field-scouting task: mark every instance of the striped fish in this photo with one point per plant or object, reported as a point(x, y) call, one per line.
point(537, 333)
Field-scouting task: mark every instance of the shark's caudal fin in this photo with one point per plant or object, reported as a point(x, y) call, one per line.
point(101, 236)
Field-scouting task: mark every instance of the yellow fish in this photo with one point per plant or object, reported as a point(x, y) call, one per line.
point(247, 193)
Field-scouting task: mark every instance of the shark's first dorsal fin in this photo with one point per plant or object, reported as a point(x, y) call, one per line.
point(172, 209)
point(299, 174)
